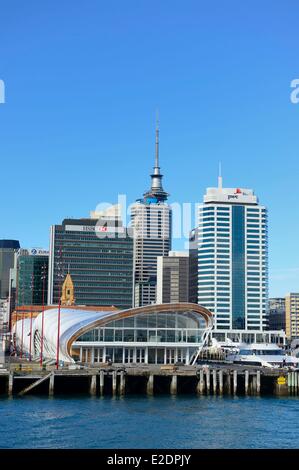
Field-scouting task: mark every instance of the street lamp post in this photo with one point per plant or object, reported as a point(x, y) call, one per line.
point(43, 277)
point(60, 277)
point(10, 307)
point(22, 336)
point(17, 304)
point(15, 335)
point(31, 319)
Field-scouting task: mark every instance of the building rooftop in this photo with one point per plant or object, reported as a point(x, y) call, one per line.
point(231, 195)
point(14, 244)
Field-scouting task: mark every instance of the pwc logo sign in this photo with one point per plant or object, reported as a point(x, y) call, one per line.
point(236, 194)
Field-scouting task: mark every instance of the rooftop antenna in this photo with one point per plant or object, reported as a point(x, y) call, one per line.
point(220, 177)
point(157, 140)
point(156, 192)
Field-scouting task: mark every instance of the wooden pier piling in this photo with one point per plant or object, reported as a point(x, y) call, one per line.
point(93, 385)
point(201, 384)
point(221, 382)
point(258, 382)
point(228, 382)
point(214, 374)
point(122, 385)
point(173, 385)
point(253, 385)
point(150, 385)
point(246, 382)
point(10, 384)
point(235, 381)
point(208, 383)
point(114, 383)
point(102, 378)
point(51, 384)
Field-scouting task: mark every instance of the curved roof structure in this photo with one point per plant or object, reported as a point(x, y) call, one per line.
point(75, 322)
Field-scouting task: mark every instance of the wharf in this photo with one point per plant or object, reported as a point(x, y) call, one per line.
point(118, 380)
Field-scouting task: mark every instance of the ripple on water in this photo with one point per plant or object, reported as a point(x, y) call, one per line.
point(157, 422)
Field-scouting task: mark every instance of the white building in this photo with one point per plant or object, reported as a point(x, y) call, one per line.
point(233, 261)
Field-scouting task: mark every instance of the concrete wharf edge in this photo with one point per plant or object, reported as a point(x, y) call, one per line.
point(208, 379)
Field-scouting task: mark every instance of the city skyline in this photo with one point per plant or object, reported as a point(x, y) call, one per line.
point(77, 125)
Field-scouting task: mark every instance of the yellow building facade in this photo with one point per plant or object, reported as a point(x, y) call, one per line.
point(292, 315)
point(68, 291)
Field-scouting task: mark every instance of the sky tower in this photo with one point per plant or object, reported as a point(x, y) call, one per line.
point(151, 222)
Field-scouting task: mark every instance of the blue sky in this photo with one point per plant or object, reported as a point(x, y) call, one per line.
point(83, 81)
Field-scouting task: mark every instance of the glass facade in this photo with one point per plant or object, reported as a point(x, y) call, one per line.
point(157, 328)
point(101, 267)
point(155, 338)
point(238, 267)
point(30, 283)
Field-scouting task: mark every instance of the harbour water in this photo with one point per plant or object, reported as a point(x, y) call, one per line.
point(143, 422)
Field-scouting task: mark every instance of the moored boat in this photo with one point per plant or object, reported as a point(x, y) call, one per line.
point(262, 354)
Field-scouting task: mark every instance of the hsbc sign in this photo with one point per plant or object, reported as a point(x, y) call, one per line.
point(109, 229)
point(94, 228)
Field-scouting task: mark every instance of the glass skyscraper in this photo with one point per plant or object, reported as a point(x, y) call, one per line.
point(32, 277)
point(233, 259)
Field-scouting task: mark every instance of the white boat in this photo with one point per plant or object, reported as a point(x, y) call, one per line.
point(226, 346)
point(262, 354)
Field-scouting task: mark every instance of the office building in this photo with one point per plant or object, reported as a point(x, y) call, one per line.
point(98, 254)
point(233, 261)
point(7, 252)
point(173, 277)
point(292, 315)
point(151, 223)
point(32, 276)
point(277, 313)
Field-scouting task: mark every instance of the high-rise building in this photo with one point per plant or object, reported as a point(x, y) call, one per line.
point(7, 253)
point(98, 254)
point(277, 313)
point(292, 315)
point(32, 276)
point(233, 260)
point(173, 278)
point(151, 223)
